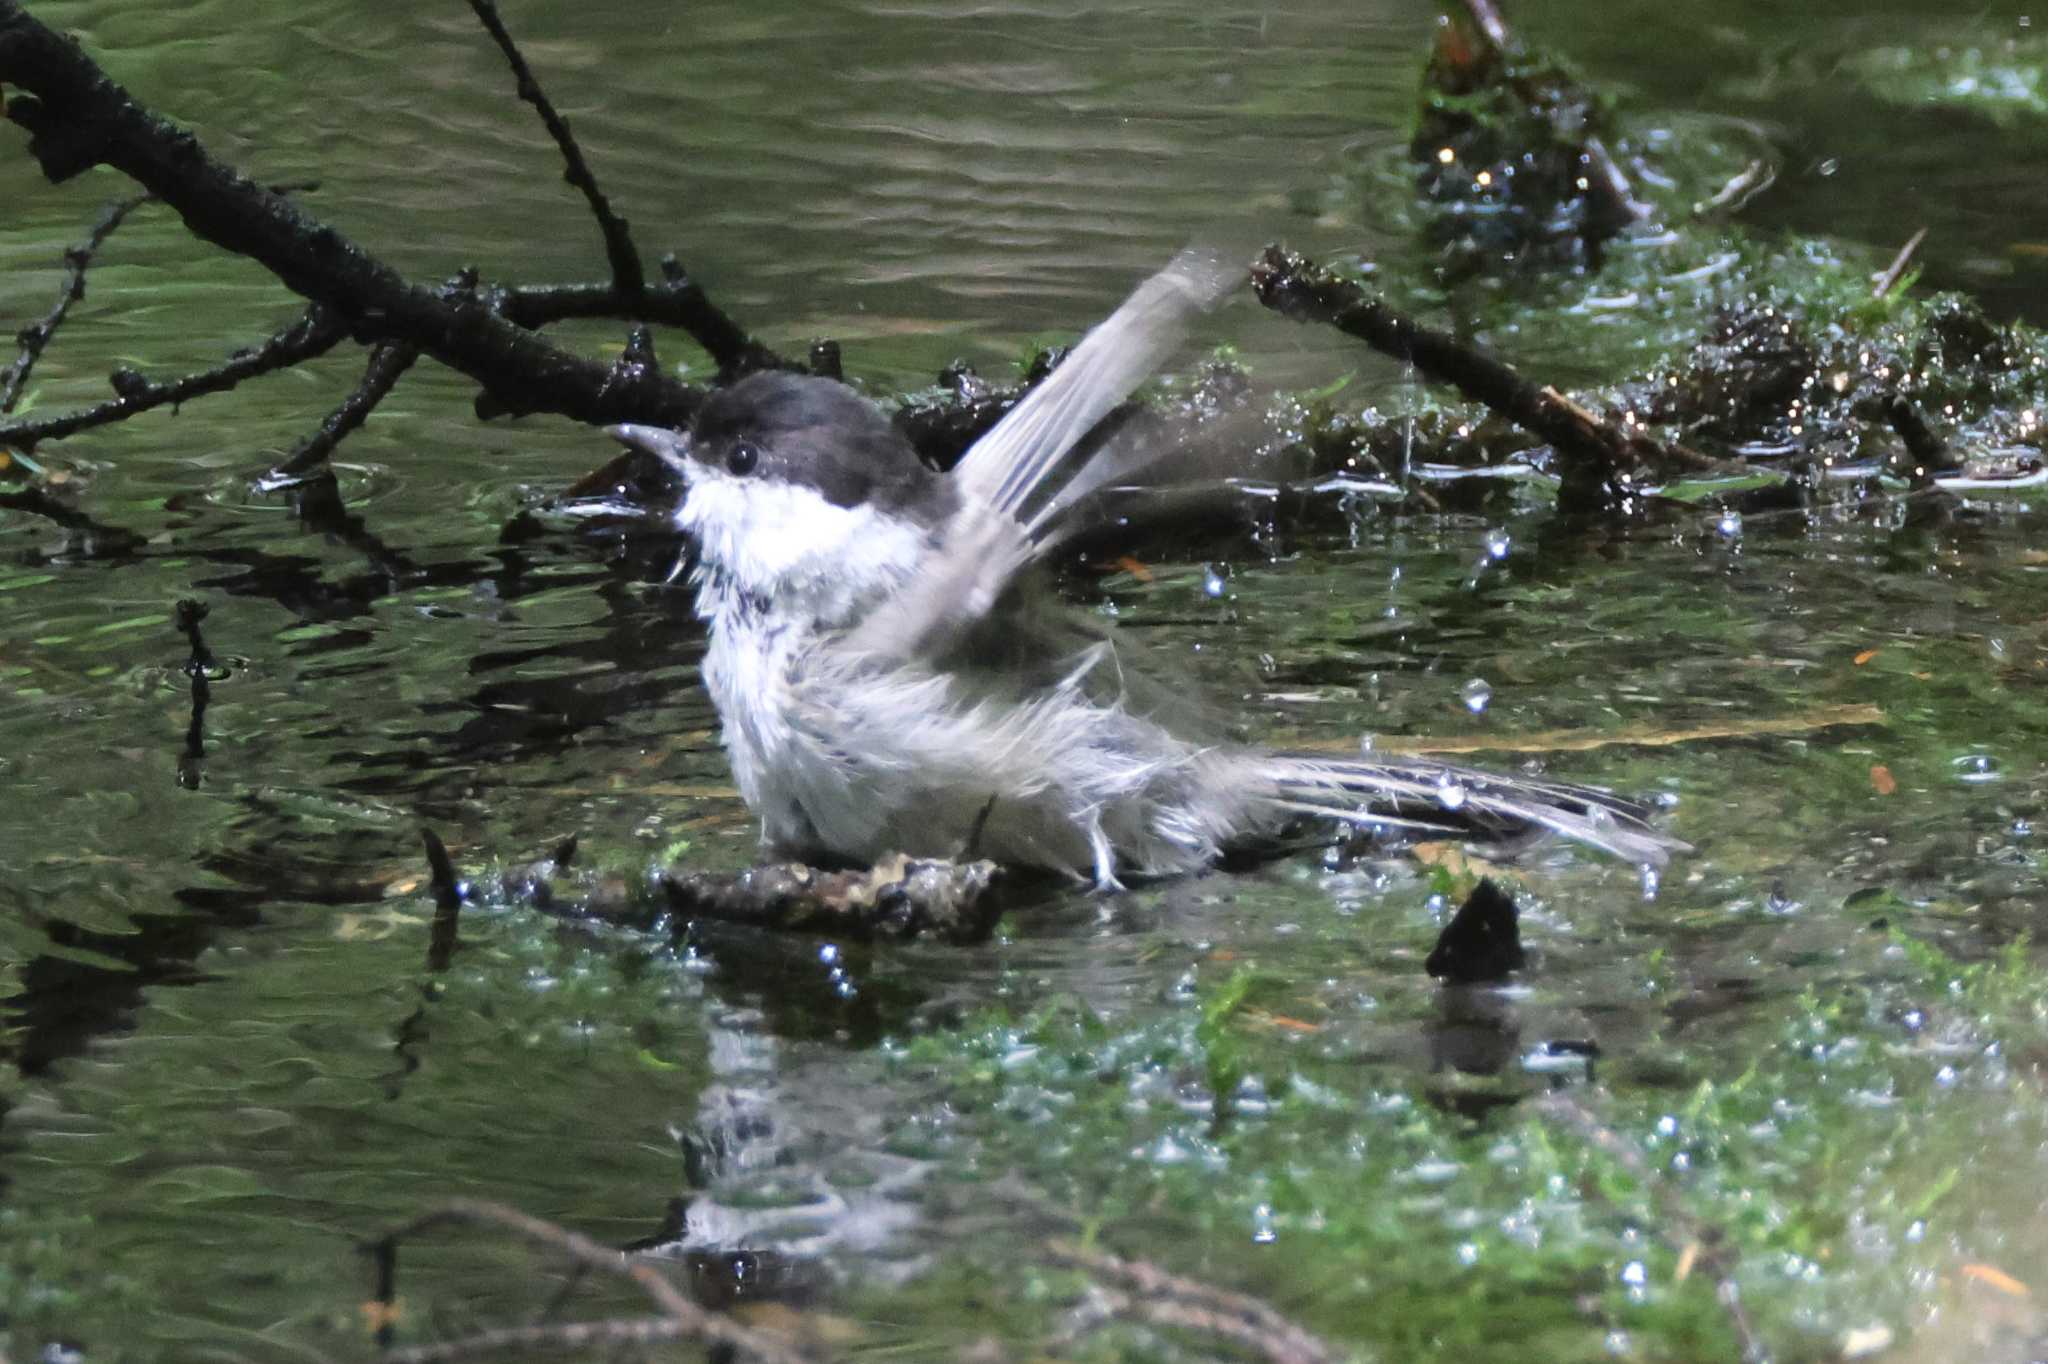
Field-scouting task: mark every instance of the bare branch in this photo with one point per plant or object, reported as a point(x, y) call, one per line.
point(627, 276)
point(77, 118)
point(315, 333)
point(36, 336)
point(389, 360)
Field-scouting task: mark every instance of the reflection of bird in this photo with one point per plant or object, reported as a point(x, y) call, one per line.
point(887, 683)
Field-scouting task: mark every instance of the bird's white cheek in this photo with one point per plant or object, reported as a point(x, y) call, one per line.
point(770, 535)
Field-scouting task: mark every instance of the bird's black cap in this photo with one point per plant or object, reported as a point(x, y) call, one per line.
point(821, 434)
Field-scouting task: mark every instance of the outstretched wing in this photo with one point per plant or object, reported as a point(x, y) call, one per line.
point(1019, 478)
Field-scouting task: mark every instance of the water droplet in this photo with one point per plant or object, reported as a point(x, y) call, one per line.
point(1498, 543)
point(1212, 581)
point(1450, 793)
point(1635, 1274)
point(1996, 648)
point(1653, 880)
point(1477, 693)
point(1468, 1254)
point(1728, 525)
point(1263, 1232)
point(1976, 768)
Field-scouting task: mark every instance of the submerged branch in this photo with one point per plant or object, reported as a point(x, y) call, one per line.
point(1146, 1292)
point(1601, 459)
point(898, 897)
point(681, 1317)
point(1698, 1242)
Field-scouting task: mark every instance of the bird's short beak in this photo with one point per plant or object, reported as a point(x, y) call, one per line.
point(665, 445)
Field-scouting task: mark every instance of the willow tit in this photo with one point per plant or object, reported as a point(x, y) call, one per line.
point(888, 682)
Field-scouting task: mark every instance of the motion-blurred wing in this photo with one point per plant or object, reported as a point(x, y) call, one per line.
point(1018, 478)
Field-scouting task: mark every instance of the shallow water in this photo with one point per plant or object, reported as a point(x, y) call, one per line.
point(232, 1066)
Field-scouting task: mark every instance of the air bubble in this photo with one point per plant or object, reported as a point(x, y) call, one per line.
point(1212, 581)
point(1263, 1231)
point(1450, 792)
point(1975, 769)
point(1476, 694)
point(1498, 543)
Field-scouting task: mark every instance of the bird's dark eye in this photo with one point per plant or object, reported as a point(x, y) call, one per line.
point(743, 456)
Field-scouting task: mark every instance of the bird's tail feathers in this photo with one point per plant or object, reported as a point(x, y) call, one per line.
point(1435, 797)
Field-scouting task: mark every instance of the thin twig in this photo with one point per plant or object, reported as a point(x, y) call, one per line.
point(36, 336)
point(618, 239)
point(389, 360)
point(1896, 271)
point(689, 1319)
point(1698, 1241)
point(1743, 186)
point(1172, 1300)
point(315, 333)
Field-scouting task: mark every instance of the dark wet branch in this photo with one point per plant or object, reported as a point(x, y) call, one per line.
point(389, 360)
point(35, 337)
point(627, 276)
point(686, 1318)
point(78, 118)
point(1600, 458)
point(198, 664)
point(676, 301)
point(314, 334)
